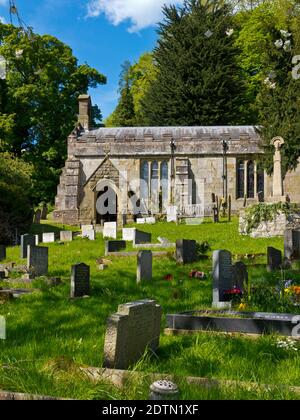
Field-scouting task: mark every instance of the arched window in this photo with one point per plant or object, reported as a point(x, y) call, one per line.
point(260, 182)
point(164, 185)
point(144, 180)
point(240, 179)
point(250, 179)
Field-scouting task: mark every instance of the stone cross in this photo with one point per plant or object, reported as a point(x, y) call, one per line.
point(277, 142)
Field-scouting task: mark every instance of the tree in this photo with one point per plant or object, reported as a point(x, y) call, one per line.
point(198, 81)
point(15, 191)
point(43, 82)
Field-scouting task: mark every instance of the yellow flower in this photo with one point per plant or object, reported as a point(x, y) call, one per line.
point(242, 306)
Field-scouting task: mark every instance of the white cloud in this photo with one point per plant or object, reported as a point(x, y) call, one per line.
point(2, 19)
point(141, 13)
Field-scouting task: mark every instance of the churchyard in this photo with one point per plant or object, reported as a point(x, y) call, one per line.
point(57, 332)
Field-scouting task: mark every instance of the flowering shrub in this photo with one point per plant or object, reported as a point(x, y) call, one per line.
point(287, 344)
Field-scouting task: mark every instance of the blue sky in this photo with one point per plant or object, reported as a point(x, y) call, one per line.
point(103, 33)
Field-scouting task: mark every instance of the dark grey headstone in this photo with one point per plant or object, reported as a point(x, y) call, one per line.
point(144, 266)
point(292, 244)
point(44, 212)
point(114, 246)
point(274, 259)
point(25, 241)
point(2, 275)
point(80, 280)
point(37, 260)
point(240, 276)
point(186, 251)
point(222, 276)
point(141, 237)
point(37, 217)
point(2, 252)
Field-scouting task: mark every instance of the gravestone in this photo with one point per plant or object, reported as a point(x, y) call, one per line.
point(128, 234)
point(150, 220)
point(48, 238)
point(25, 241)
point(274, 259)
point(2, 252)
point(114, 246)
point(222, 277)
point(133, 329)
point(80, 280)
point(110, 230)
point(186, 251)
point(292, 244)
point(37, 240)
point(141, 237)
point(144, 266)
point(141, 221)
point(163, 241)
point(88, 231)
point(2, 275)
point(240, 276)
point(66, 236)
point(37, 217)
point(44, 212)
point(37, 260)
point(172, 215)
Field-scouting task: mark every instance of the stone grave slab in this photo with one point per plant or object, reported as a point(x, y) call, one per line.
point(144, 266)
point(128, 234)
point(114, 246)
point(141, 237)
point(110, 230)
point(66, 236)
point(186, 251)
point(37, 260)
point(274, 259)
point(49, 238)
point(222, 277)
point(80, 280)
point(25, 241)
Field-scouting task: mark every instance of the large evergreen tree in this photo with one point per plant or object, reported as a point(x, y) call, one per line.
point(198, 81)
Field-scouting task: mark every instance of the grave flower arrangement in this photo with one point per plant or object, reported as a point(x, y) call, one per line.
point(293, 292)
point(168, 277)
point(234, 294)
point(194, 274)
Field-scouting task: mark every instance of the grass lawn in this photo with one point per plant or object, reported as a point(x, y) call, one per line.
point(49, 336)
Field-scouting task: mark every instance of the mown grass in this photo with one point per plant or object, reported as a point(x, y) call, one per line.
point(49, 336)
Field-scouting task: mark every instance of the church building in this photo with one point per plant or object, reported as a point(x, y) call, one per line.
point(143, 171)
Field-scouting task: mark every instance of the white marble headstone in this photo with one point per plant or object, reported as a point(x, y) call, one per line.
point(110, 230)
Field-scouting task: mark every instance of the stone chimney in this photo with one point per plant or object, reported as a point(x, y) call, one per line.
point(85, 111)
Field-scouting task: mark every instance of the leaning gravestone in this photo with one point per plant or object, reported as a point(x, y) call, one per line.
point(114, 246)
point(37, 260)
point(110, 230)
point(274, 259)
point(48, 238)
point(141, 237)
point(25, 241)
point(128, 234)
point(292, 244)
point(66, 236)
point(133, 329)
point(240, 276)
point(80, 280)
point(2, 252)
point(186, 251)
point(144, 266)
point(222, 277)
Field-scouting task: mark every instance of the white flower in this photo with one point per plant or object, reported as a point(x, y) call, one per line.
point(285, 34)
point(19, 53)
point(287, 46)
point(230, 32)
point(279, 43)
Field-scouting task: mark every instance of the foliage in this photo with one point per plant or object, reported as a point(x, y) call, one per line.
point(39, 96)
point(198, 81)
point(15, 190)
point(264, 212)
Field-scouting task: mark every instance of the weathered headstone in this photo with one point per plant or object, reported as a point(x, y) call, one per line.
point(222, 277)
point(87, 231)
point(48, 238)
point(110, 230)
point(66, 236)
point(292, 244)
point(128, 234)
point(172, 214)
point(150, 220)
point(141, 221)
point(144, 266)
point(2, 252)
point(25, 241)
point(240, 276)
point(274, 259)
point(133, 329)
point(141, 237)
point(114, 246)
point(80, 280)
point(37, 217)
point(44, 212)
point(186, 251)
point(37, 260)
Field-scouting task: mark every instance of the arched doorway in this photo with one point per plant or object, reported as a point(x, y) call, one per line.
point(107, 203)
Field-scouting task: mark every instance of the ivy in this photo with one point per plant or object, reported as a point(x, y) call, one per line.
point(262, 212)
